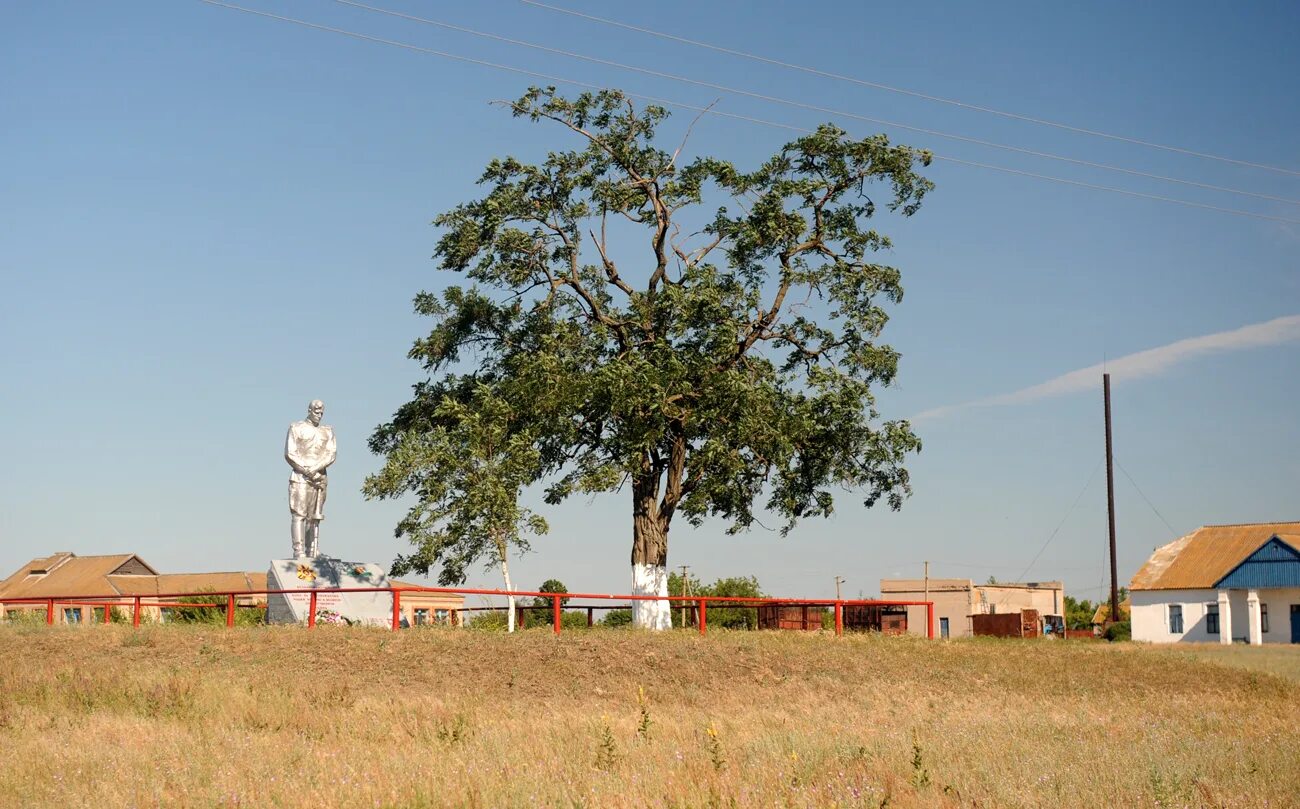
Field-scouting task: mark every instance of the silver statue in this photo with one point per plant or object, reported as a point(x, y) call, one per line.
point(310, 449)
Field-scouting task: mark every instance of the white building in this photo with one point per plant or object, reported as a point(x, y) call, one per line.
point(1221, 583)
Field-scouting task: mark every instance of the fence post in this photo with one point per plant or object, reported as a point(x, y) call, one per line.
point(704, 616)
point(49, 613)
point(589, 617)
point(929, 619)
point(311, 611)
point(555, 612)
point(397, 610)
point(108, 612)
point(839, 618)
point(135, 613)
point(230, 610)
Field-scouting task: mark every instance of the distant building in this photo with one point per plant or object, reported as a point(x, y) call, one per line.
point(1101, 616)
point(956, 600)
point(119, 578)
point(1221, 583)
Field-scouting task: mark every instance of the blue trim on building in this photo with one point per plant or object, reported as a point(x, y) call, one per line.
point(1273, 564)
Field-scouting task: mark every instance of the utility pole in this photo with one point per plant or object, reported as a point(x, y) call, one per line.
point(1110, 504)
point(838, 581)
point(927, 582)
point(686, 586)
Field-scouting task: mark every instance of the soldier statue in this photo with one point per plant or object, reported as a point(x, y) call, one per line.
point(310, 449)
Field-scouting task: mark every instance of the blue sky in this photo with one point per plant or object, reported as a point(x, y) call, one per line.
point(213, 218)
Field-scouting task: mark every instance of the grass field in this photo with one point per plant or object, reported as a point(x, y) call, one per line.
point(264, 717)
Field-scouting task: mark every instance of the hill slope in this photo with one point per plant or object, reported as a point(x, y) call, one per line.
point(195, 716)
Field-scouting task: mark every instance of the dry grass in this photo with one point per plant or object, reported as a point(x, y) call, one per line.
point(1282, 660)
point(195, 716)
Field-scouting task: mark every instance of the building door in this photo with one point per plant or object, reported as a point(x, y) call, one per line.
point(1295, 623)
point(943, 626)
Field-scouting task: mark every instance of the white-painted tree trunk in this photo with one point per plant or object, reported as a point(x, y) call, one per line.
point(651, 580)
point(510, 600)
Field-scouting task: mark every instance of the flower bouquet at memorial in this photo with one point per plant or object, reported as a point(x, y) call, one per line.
point(331, 617)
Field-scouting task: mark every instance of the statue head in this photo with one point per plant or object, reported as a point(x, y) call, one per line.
point(315, 410)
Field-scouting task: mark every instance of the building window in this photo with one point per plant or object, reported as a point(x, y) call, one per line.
point(1176, 619)
point(442, 616)
point(943, 627)
point(1263, 617)
point(71, 615)
point(421, 617)
point(1212, 619)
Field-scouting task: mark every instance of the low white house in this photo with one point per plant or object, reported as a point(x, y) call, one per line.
point(1221, 583)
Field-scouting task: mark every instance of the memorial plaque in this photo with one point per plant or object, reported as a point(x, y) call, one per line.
point(325, 574)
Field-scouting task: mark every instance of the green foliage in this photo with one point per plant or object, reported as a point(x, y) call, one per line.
point(719, 617)
point(466, 463)
point(489, 621)
point(16, 615)
point(543, 618)
point(738, 362)
point(920, 773)
point(617, 618)
point(1119, 631)
point(550, 586)
point(606, 749)
point(202, 614)
point(1078, 614)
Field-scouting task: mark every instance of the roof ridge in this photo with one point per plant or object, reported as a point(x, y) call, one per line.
point(96, 555)
point(1245, 524)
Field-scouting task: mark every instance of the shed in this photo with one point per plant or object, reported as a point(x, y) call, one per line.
point(803, 617)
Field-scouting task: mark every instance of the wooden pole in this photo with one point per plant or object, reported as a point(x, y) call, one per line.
point(1110, 504)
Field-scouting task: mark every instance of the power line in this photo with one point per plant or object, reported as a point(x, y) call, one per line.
point(711, 111)
point(803, 105)
point(1147, 499)
point(915, 94)
point(1061, 524)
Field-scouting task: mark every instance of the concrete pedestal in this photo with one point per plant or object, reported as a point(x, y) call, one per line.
point(325, 573)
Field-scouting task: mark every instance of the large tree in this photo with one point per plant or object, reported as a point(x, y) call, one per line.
point(732, 357)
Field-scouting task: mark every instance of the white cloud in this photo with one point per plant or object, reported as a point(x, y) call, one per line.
point(1140, 365)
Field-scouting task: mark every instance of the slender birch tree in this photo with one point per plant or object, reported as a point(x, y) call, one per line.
point(465, 466)
point(697, 336)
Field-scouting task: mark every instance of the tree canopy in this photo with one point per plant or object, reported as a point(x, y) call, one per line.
point(732, 359)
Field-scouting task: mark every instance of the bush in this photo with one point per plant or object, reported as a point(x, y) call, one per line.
point(490, 621)
point(617, 618)
point(244, 616)
point(543, 618)
point(16, 615)
point(1120, 631)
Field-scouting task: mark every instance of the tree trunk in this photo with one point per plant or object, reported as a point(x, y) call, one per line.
point(649, 555)
point(505, 573)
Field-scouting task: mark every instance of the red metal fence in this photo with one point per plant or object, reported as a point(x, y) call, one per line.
point(699, 603)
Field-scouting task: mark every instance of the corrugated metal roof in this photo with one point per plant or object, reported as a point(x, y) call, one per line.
point(68, 574)
point(1197, 561)
point(1276, 564)
point(1102, 613)
point(416, 597)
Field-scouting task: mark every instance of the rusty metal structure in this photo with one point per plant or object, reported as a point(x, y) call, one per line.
point(887, 619)
point(802, 617)
point(1023, 624)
